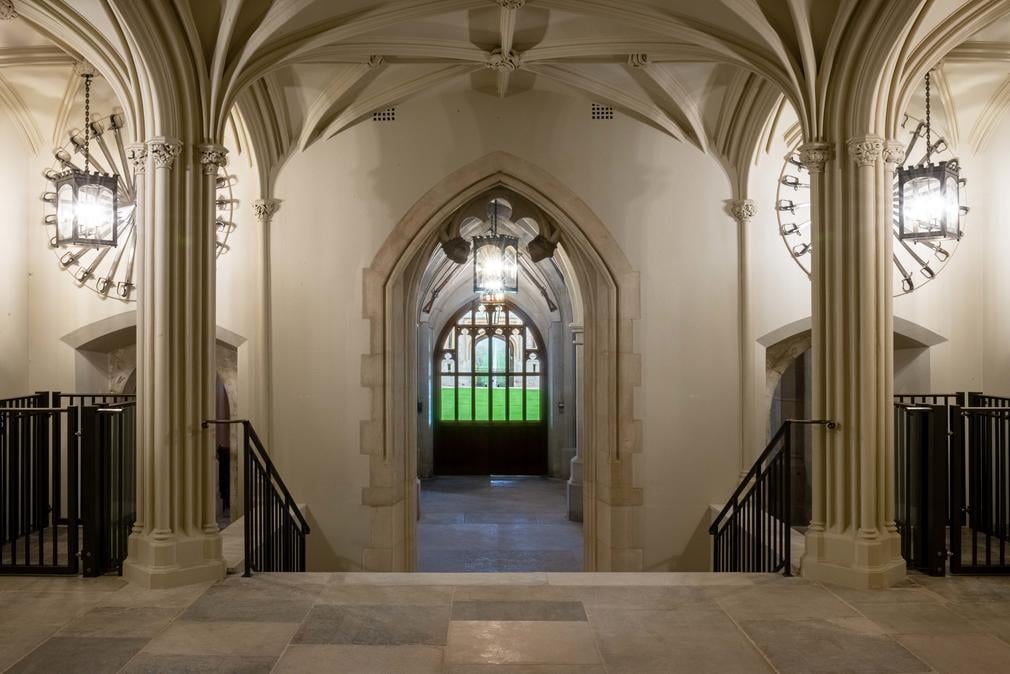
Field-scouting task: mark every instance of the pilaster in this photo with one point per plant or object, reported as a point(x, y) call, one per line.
point(850, 541)
point(743, 210)
point(575, 480)
point(264, 210)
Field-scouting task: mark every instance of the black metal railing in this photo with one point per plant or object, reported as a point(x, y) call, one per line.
point(67, 482)
point(39, 470)
point(753, 532)
point(980, 488)
point(275, 529)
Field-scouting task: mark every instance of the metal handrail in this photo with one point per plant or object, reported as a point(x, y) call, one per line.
point(754, 469)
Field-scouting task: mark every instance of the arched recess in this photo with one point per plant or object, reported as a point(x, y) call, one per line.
point(612, 437)
point(783, 345)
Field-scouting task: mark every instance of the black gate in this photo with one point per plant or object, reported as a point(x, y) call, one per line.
point(980, 475)
point(39, 464)
point(67, 483)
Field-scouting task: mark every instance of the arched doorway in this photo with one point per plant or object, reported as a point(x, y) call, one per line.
point(490, 393)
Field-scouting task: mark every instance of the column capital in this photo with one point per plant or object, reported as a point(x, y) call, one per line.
point(866, 150)
point(212, 157)
point(894, 152)
point(136, 155)
point(814, 156)
point(511, 4)
point(164, 150)
point(264, 209)
point(743, 210)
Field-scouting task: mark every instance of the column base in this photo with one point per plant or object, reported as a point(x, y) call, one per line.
point(850, 560)
point(574, 489)
point(173, 561)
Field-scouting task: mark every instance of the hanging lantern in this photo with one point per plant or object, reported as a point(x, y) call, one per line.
point(495, 260)
point(86, 202)
point(929, 199)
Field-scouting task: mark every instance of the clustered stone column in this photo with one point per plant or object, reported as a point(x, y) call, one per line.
point(574, 486)
point(743, 211)
point(852, 539)
point(175, 540)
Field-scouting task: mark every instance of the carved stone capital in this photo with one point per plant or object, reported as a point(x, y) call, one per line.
point(743, 210)
point(814, 156)
point(894, 152)
point(638, 60)
point(136, 154)
point(7, 10)
point(212, 158)
point(511, 4)
point(164, 151)
point(375, 60)
point(264, 209)
point(866, 151)
point(499, 62)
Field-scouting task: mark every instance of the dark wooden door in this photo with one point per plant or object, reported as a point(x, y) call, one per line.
point(490, 394)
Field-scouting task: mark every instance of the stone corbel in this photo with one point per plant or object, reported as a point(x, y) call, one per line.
point(742, 210)
point(264, 209)
point(545, 243)
point(455, 247)
point(894, 153)
point(136, 155)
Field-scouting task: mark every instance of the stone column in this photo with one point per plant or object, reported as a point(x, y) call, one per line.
point(176, 538)
point(851, 540)
point(743, 210)
point(575, 503)
point(264, 210)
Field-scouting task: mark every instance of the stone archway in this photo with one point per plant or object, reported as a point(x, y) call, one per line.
point(612, 437)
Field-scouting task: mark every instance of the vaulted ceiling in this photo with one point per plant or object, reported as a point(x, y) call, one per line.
point(710, 73)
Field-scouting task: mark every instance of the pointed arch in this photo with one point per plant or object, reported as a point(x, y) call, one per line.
point(610, 287)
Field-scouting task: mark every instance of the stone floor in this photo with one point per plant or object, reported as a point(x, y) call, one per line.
point(507, 623)
point(496, 524)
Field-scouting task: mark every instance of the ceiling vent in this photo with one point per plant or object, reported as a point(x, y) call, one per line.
point(387, 115)
point(601, 111)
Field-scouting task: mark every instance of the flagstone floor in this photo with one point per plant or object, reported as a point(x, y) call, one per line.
point(533, 623)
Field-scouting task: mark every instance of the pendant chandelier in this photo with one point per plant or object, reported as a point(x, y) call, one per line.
point(86, 201)
point(929, 204)
point(495, 260)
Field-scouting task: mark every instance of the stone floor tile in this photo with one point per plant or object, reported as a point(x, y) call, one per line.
point(261, 639)
point(821, 647)
point(87, 655)
point(905, 593)
point(120, 622)
point(502, 559)
point(921, 619)
point(523, 669)
point(482, 579)
point(375, 625)
point(967, 589)
point(146, 663)
point(521, 642)
point(960, 653)
point(328, 659)
point(794, 600)
point(648, 579)
point(386, 594)
point(137, 596)
point(688, 640)
point(255, 603)
point(567, 611)
point(516, 593)
point(17, 641)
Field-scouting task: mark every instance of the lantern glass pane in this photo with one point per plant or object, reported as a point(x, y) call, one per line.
point(510, 269)
point(96, 215)
point(952, 204)
point(65, 212)
point(924, 207)
point(489, 267)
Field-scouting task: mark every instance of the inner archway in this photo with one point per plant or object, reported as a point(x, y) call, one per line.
point(610, 438)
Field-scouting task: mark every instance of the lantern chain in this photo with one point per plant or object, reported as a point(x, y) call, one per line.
point(87, 125)
point(929, 127)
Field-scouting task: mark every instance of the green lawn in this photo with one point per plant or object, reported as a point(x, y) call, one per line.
point(448, 404)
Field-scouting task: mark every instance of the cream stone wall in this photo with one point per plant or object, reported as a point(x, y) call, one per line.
point(989, 206)
point(662, 201)
point(15, 183)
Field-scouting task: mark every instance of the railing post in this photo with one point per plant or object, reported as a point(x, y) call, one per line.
point(91, 479)
point(247, 502)
point(788, 505)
